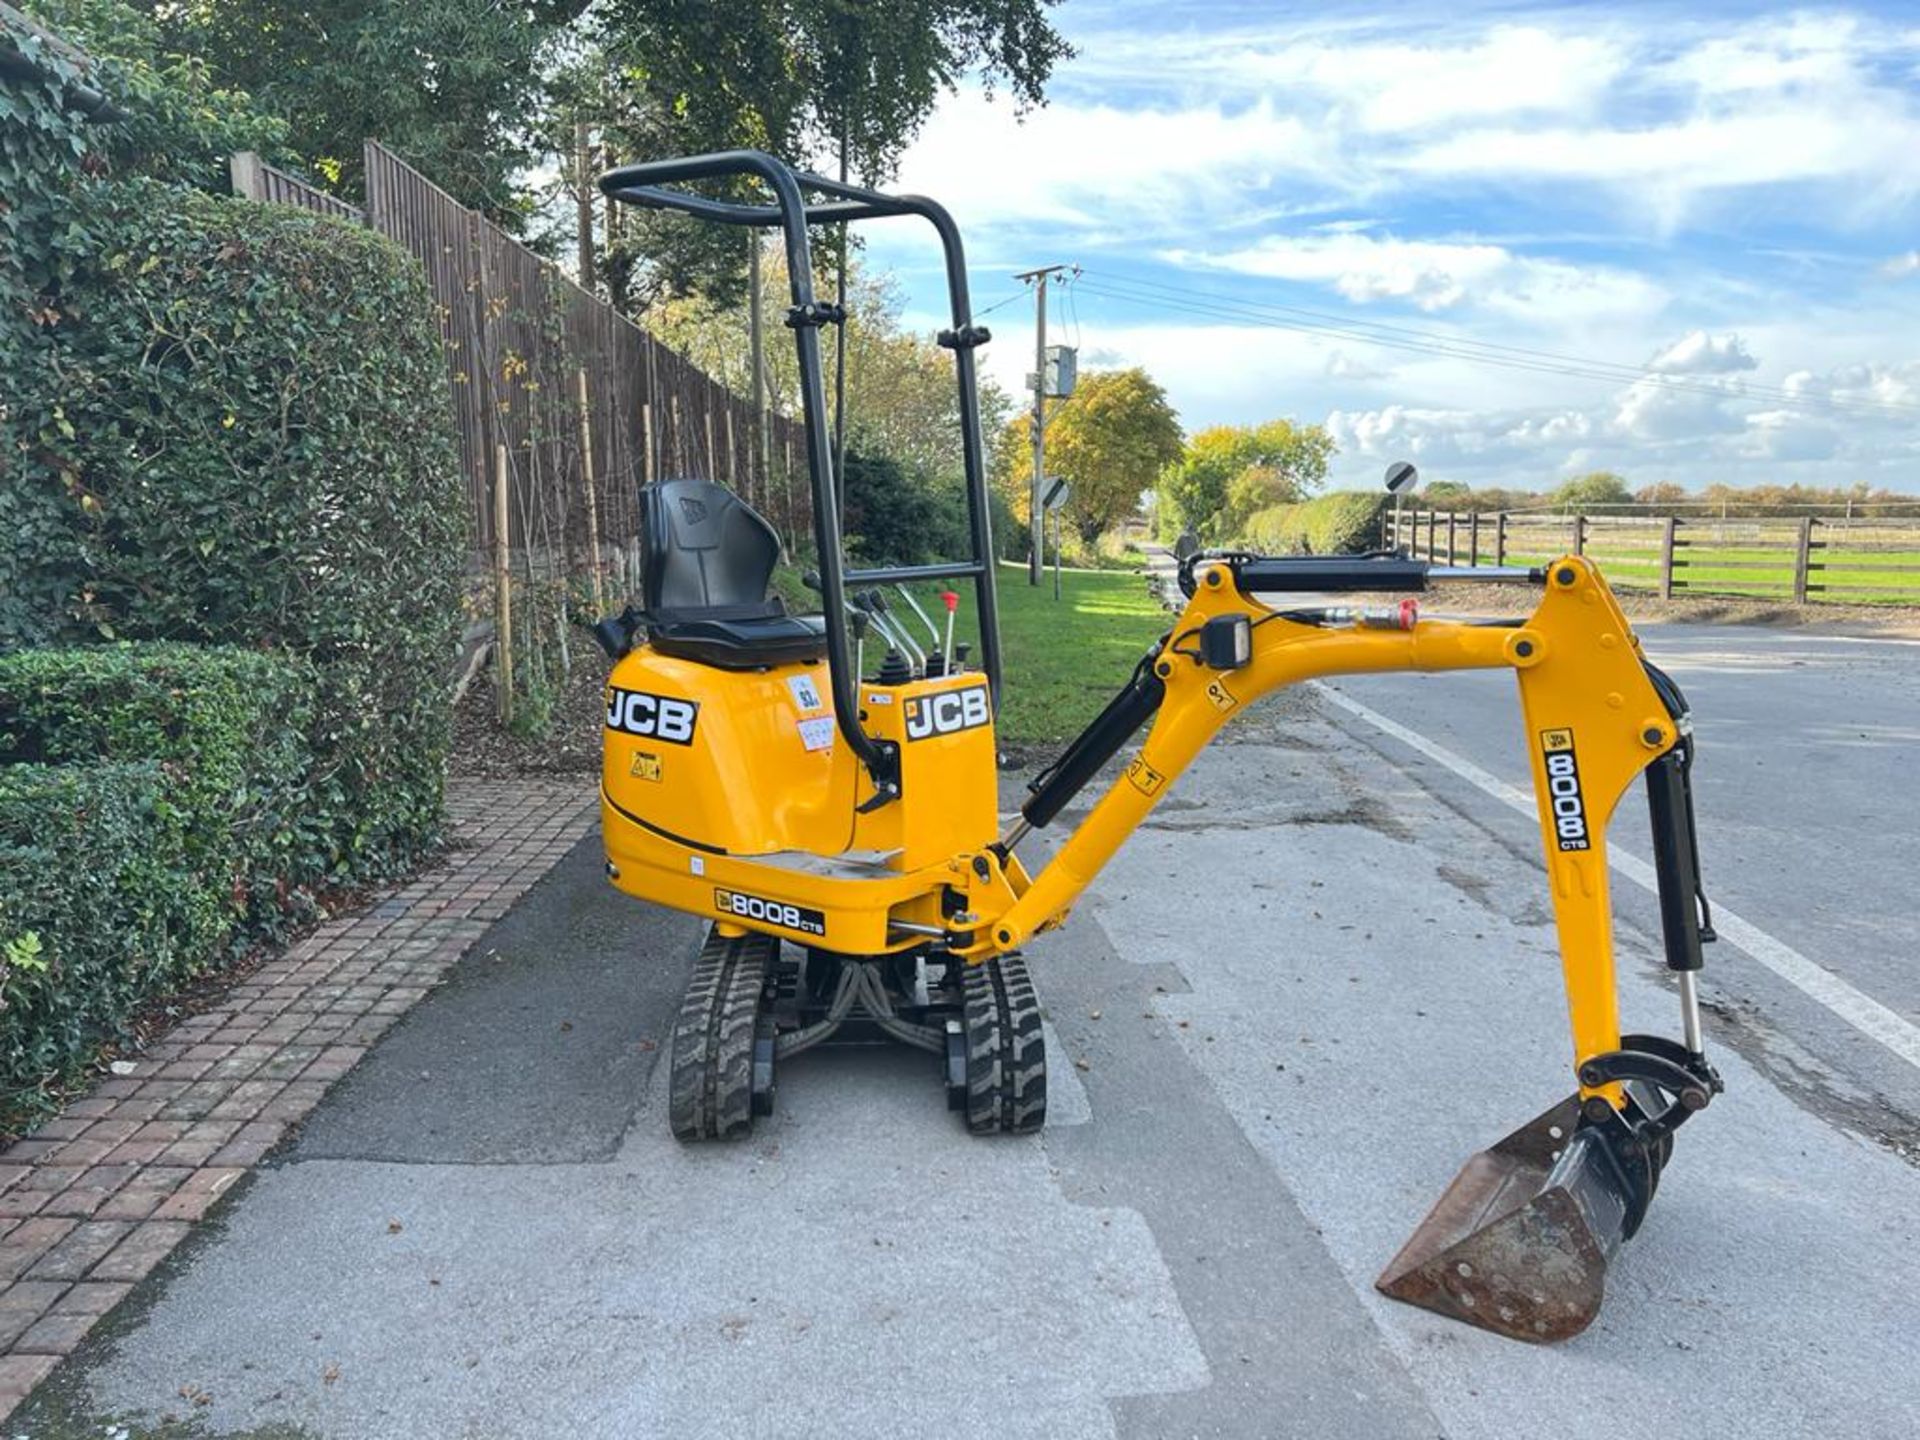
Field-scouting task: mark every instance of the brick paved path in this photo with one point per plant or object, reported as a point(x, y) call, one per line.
point(99, 1195)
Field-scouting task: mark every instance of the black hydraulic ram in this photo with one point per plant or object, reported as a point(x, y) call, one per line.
point(1686, 920)
point(1093, 747)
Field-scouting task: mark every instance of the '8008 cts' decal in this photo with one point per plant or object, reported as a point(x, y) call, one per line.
point(1564, 799)
point(947, 712)
point(772, 912)
point(656, 717)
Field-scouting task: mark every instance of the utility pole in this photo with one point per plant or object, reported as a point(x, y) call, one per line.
point(1036, 518)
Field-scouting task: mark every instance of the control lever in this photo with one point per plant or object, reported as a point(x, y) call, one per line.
point(857, 622)
point(862, 601)
point(936, 664)
point(933, 635)
point(858, 600)
point(952, 601)
point(877, 602)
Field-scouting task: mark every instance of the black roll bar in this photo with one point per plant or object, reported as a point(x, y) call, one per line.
point(647, 185)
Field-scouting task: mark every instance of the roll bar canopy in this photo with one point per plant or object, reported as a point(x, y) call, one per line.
point(650, 185)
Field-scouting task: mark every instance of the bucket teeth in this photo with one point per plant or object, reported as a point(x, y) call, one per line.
point(1520, 1241)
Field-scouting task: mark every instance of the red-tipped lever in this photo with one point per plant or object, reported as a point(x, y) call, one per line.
point(952, 601)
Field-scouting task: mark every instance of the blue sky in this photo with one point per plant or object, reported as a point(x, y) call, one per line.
point(1692, 234)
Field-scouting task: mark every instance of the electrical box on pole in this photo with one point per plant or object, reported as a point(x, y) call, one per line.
point(1063, 369)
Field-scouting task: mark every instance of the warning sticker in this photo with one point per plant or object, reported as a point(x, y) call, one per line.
point(1146, 779)
point(1222, 698)
point(817, 733)
point(645, 766)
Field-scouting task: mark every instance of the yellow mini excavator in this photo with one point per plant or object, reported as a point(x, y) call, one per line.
point(838, 825)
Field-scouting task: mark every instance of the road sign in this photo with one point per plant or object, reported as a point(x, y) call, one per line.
point(1054, 493)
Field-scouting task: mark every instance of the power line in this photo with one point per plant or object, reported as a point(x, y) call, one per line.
point(1003, 301)
point(1155, 294)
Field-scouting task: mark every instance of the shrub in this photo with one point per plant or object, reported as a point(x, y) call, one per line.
point(261, 454)
point(1340, 523)
point(89, 857)
point(230, 728)
point(900, 515)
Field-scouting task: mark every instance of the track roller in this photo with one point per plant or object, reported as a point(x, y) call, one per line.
point(1006, 1053)
point(719, 1082)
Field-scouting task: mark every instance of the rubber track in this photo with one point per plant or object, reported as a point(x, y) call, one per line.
point(1006, 1051)
point(710, 1086)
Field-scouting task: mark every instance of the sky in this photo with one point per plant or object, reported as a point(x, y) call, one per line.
point(1510, 243)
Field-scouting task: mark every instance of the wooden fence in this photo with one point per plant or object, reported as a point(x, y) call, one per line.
point(530, 355)
point(1799, 559)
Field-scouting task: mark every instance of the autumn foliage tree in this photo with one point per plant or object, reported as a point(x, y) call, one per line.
point(1109, 442)
point(1229, 473)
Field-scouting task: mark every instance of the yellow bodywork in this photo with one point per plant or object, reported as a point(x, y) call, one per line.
point(756, 818)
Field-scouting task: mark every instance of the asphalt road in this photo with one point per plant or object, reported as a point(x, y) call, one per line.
point(1806, 798)
point(1320, 977)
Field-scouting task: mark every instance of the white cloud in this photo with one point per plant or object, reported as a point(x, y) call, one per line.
point(1665, 121)
point(1105, 169)
point(1653, 428)
point(1437, 275)
point(1715, 196)
point(1790, 435)
point(1651, 410)
point(1698, 353)
point(1862, 383)
point(1342, 366)
point(1397, 87)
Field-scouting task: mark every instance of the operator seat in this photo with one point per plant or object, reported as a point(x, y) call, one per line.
point(706, 560)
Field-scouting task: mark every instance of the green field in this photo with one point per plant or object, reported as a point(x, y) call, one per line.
point(1877, 564)
point(1856, 577)
point(1064, 659)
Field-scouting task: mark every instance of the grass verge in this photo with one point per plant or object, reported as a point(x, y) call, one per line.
point(1064, 659)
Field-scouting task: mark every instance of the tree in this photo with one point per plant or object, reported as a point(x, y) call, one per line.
point(449, 84)
point(820, 81)
point(177, 122)
point(1228, 473)
point(902, 399)
point(1664, 492)
point(1596, 488)
point(1109, 442)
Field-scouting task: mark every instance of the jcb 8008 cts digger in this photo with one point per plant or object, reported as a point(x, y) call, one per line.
point(838, 822)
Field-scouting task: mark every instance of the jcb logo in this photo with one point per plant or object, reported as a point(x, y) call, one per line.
point(770, 912)
point(1564, 800)
point(948, 712)
point(656, 717)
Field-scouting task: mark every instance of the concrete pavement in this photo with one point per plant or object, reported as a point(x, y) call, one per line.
point(1320, 978)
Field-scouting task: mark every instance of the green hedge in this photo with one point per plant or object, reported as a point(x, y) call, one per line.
point(231, 728)
point(261, 454)
point(1340, 523)
point(151, 822)
point(89, 858)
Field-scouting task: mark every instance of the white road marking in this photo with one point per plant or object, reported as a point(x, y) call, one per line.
point(1859, 1010)
point(1782, 636)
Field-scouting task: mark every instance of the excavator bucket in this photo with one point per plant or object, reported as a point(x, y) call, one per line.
point(1520, 1241)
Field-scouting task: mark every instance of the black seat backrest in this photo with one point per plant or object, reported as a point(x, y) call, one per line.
point(705, 549)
